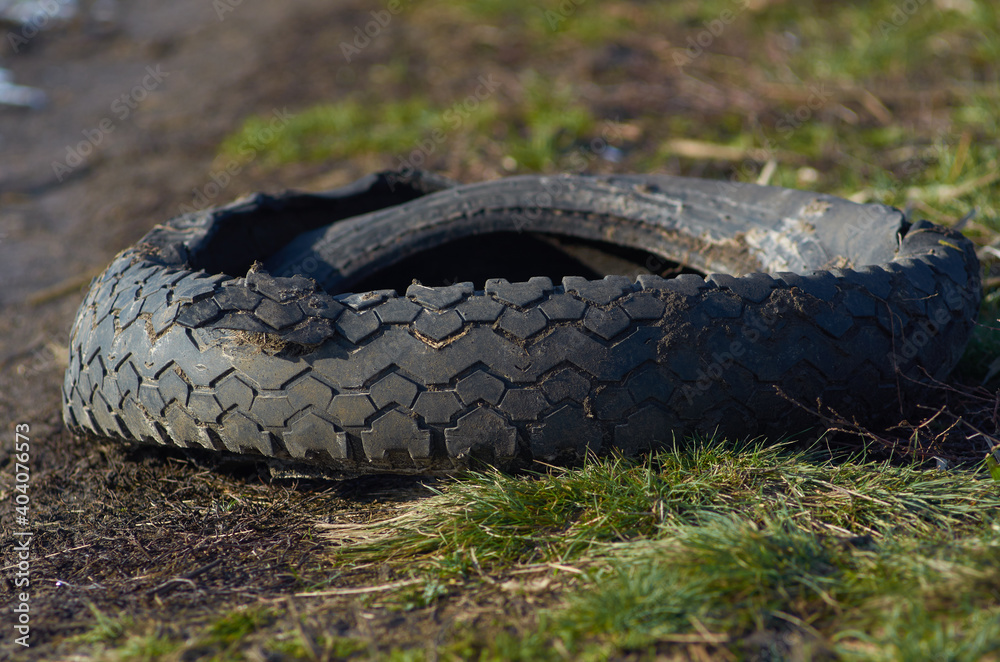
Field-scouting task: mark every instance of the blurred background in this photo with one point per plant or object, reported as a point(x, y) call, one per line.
point(117, 114)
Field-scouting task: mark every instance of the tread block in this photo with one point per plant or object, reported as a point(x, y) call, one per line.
point(643, 307)
point(398, 311)
point(820, 284)
point(647, 428)
point(365, 300)
point(173, 388)
point(651, 383)
point(439, 298)
point(309, 392)
point(755, 287)
point(164, 317)
point(313, 332)
point(393, 388)
point(920, 274)
point(102, 336)
point(204, 406)
point(234, 392)
point(128, 379)
point(566, 384)
point(651, 282)
point(128, 314)
point(480, 309)
point(612, 402)
point(151, 399)
point(601, 292)
point(875, 279)
point(138, 423)
point(482, 433)
point(236, 297)
point(199, 313)
point(689, 285)
point(771, 364)
point(278, 316)
point(563, 307)
point(396, 431)
point(154, 301)
point(566, 431)
point(519, 294)
point(314, 433)
point(107, 420)
point(322, 306)
point(607, 323)
point(262, 370)
point(124, 295)
point(523, 404)
point(239, 433)
point(271, 410)
point(523, 325)
point(357, 326)
point(858, 302)
point(480, 386)
point(184, 430)
point(952, 269)
point(438, 325)
point(280, 288)
point(241, 321)
point(351, 410)
point(721, 305)
point(834, 321)
point(437, 406)
point(194, 287)
point(893, 320)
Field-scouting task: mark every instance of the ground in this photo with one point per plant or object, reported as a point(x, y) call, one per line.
point(136, 549)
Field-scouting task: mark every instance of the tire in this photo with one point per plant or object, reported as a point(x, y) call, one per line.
point(816, 298)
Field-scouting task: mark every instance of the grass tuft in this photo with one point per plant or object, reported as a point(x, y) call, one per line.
point(734, 547)
point(566, 514)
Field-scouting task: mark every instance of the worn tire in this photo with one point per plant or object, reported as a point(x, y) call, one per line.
point(817, 298)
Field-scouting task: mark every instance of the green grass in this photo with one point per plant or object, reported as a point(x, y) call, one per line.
point(351, 128)
point(559, 517)
point(538, 132)
point(722, 544)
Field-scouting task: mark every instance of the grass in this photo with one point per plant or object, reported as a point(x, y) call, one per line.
point(537, 130)
point(723, 545)
point(561, 516)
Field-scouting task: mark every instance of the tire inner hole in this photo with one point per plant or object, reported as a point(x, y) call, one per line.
point(517, 257)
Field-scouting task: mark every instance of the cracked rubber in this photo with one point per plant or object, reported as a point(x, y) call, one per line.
point(188, 339)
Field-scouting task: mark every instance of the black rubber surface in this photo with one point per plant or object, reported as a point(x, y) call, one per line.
point(186, 340)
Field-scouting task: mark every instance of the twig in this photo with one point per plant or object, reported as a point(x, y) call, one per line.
point(361, 590)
